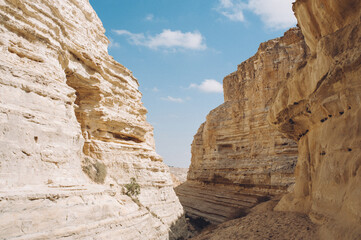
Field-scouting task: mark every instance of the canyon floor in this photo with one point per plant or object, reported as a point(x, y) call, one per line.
point(263, 223)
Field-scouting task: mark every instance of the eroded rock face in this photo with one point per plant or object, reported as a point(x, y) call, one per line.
point(263, 223)
point(326, 120)
point(73, 132)
point(236, 153)
point(179, 175)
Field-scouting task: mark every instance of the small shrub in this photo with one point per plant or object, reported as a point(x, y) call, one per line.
point(96, 171)
point(132, 188)
point(136, 200)
point(101, 172)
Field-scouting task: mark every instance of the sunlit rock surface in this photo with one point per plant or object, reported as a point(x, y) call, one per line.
point(327, 118)
point(264, 223)
point(179, 175)
point(238, 158)
point(73, 132)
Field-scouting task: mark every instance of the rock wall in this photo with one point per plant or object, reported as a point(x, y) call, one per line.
point(73, 132)
point(179, 175)
point(238, 158)
point(326, 118)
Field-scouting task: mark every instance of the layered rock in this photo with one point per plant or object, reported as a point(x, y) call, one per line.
point(263, 223)
point(326, 118)
point(73, 132)
point(179, 175)
point(238, 158)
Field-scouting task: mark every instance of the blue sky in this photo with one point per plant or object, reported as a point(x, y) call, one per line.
point(180, 51)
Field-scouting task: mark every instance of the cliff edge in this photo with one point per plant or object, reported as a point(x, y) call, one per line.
point(73, 132)
point(238, 158)
point(320, 108)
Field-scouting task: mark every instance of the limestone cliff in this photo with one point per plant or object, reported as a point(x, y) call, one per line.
point(73, 132)
point(326, 118)
point(238, 158)
point(179, 175)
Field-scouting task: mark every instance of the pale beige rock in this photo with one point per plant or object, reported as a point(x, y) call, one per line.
point(179, 175)
point(216, 203)
point(236, 153)
point(263, 223)
point(73, 132)
point(327, 116)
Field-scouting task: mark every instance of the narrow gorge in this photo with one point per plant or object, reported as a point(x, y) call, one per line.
point(238, 158)
point(326, 119)
point(279, 159)
point(296, 100)
point(73, 133)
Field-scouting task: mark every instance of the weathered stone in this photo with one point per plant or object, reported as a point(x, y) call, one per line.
point(216, 203)
point(179, 175)
point(263, 223)
point(328, 92)
point(236, 152)
point(71, 117)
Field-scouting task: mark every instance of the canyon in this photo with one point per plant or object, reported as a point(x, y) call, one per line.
point(280, 156)
point(320, 108)
point(238, 158)
point(316, 110)
point(73, 133)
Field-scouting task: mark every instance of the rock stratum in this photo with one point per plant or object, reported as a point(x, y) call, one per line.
point(263, 223)
point(179, 175)
point(326, 120)
point(238, 158)
point(73, 132)
point(317, 105)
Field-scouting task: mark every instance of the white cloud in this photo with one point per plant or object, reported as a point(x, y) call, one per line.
point(149, 17)
point(134, 38)
point(172, 99)
point(209, 85)
point(166, 39)
point(232, 9)
point(226, 3)
point(155, 89)
point(113, 44)
point(171, 39)
point(275, 14)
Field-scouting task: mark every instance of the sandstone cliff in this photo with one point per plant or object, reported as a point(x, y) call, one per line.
point(73, 132)
point(238, 158)
point(320, 106)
